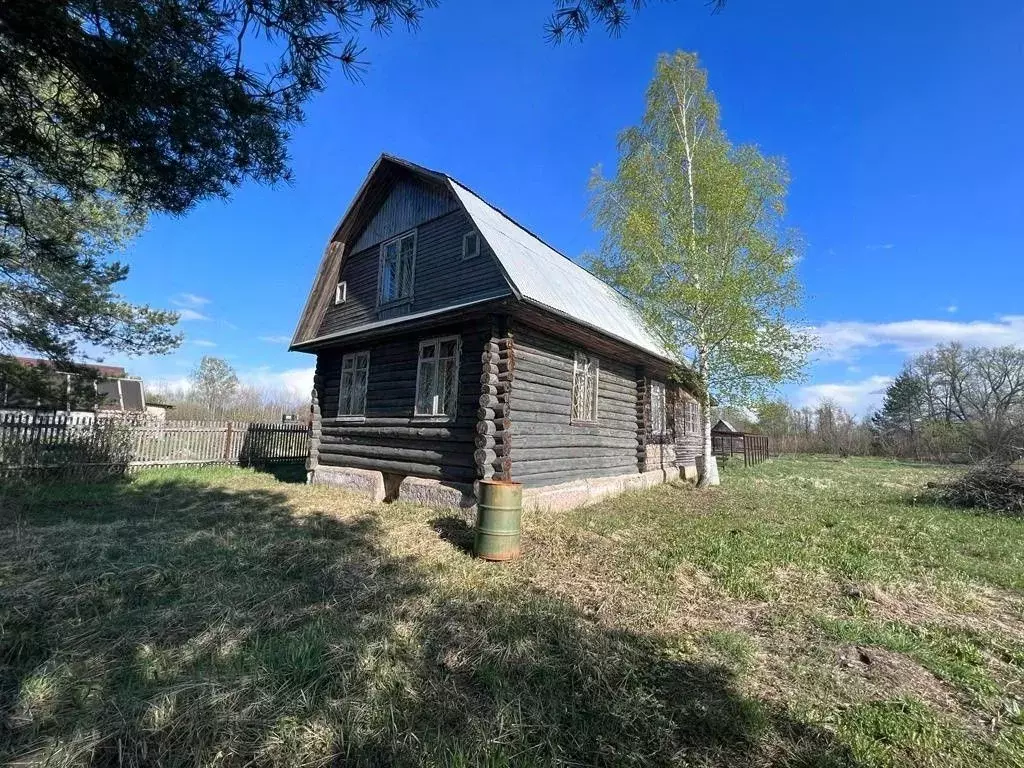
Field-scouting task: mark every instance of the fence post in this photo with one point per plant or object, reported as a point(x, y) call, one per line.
point(227, 443)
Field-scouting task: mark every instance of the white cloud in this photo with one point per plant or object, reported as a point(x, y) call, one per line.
point(881, 247)
point(189, 300)
point(295, 381)
point(191, 314)
point(279, 339)
point(952, 308)
point(843, 340)
point(204, 343)
point(168, 384)
point(858, 397)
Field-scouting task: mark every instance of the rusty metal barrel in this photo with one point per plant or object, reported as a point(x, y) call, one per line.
point(498, 520)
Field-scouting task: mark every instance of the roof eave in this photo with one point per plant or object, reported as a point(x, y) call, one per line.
point(603, 332)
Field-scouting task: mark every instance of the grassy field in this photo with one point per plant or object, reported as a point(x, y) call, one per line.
point(810, 612)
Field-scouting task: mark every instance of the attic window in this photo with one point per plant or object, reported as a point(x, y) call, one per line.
point(397, 261)
point(470, 245)
point(341, 292)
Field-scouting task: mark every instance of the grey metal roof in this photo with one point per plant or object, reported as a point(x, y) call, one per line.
point(543, 276)
point(725, 427)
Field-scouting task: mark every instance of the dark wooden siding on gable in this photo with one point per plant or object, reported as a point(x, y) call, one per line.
point(390, 438)
point(408, 204)
point(546, 447)
point(442, 278)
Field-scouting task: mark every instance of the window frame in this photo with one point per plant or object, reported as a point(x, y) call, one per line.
point(354, 357)
point(341, 292)
point(381, 301)
point(658, 385)
point(438, 341)
point(691, 416)
point(595, 365)
point(466, 255)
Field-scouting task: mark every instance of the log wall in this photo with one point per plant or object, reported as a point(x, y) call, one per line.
point(389, 437)
point(688, 444)
point(494, 427)
point(547, 447)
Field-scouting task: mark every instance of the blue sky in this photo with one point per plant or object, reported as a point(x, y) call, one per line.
point(902, 125)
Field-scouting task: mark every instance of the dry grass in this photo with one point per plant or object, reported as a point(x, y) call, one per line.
point(810, 612)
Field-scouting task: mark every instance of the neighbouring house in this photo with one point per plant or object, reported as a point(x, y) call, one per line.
point(114, 393)
point(454, 345)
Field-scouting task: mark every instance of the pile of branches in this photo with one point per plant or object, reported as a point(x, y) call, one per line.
point(995, 487)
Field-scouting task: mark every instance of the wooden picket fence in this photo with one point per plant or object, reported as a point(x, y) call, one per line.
point(753, 448)
point(40, 445)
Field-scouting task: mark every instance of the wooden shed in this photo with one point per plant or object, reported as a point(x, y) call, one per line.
point(727, 441)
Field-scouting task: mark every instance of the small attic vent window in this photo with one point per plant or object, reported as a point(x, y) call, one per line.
point(341, 292)
point(470, 245)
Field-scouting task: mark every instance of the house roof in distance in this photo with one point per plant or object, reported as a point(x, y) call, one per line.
point(106, 371)
point(724, 426)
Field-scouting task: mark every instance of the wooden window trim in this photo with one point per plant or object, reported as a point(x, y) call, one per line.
point(438, 340)
point(341, 292)
point(659, 434)
point(381, 304)
point(596, 363)
point(354, 356)
point(691, 416)
point(466, 255)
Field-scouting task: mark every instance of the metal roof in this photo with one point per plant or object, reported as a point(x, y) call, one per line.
point(536, 272)
point(541, 275)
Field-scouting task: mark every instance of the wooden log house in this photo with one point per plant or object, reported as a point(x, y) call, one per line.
point(453, 345)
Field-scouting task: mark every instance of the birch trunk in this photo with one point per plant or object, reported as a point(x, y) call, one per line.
point(709, 473)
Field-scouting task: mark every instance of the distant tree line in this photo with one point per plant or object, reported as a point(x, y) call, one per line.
point(951, 403)
point(956, 402)
point(215, 393)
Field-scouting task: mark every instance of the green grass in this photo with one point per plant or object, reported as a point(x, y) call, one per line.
point(810, 612)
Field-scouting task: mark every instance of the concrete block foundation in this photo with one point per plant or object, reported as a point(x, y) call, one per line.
point(365, 482)
point(462, 497)
point(580, 493)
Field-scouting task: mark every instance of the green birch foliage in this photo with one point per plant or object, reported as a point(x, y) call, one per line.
point(693, 232)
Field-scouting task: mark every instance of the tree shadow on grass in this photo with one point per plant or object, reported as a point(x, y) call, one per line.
point(285, 471)
point(456, 531)
point(185, 623)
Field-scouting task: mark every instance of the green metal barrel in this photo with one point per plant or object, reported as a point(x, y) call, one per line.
point(498, 520)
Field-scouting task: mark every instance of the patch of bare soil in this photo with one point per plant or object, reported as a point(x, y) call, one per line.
point(881, 674)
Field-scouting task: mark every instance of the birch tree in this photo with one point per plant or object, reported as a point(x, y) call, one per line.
point(693, 232)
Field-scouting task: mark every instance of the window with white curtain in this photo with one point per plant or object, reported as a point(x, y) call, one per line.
point(355, 371)
point(584, 388)
point(657, 407)
point(397, 264)
point(691, 417)
point(437, 377)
